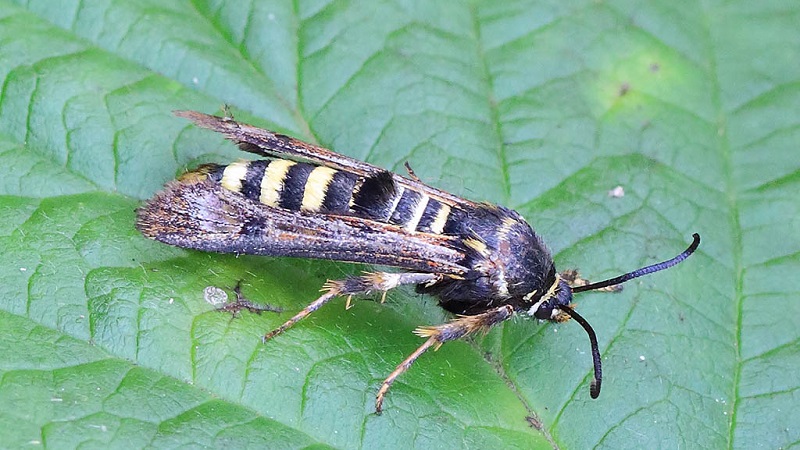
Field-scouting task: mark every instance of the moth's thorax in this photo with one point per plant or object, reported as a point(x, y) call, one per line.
point(506, 261)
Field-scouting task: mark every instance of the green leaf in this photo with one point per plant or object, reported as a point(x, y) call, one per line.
point(107, 340)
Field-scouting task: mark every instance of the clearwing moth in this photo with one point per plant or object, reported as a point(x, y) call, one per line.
point(483, 262)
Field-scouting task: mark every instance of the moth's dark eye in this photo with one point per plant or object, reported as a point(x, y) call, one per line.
point(544, 312)
point(564, 294)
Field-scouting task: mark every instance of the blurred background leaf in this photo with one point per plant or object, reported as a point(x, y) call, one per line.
point(692, 108)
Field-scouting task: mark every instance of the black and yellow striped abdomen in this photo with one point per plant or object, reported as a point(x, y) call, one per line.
point(298, 186)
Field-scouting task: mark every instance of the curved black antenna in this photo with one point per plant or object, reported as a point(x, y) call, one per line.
point(643, 271)
point(594, 387)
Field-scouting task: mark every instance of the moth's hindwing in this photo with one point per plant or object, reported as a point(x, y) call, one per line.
point(271, 144)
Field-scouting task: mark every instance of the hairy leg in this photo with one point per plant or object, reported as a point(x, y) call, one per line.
point(438, 335)
point(364, 284)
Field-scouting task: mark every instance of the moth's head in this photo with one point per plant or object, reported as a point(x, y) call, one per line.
point(548, 306)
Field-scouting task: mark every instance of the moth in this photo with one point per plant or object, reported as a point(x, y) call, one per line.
point(483, 262)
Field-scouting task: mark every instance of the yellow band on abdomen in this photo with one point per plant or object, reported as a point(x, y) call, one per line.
point(316, 187)
point(272, 183)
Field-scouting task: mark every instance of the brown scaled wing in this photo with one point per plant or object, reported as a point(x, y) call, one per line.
point(202, 215)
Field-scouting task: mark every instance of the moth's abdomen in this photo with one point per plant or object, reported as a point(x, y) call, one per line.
point(298, 186)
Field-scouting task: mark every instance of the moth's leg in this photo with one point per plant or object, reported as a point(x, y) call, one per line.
point(411, 173)
point(438, 335)
point(364, 284)
point(574, 279)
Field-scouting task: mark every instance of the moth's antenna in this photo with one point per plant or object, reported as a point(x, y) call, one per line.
point(643, 271)
point(594, 387)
